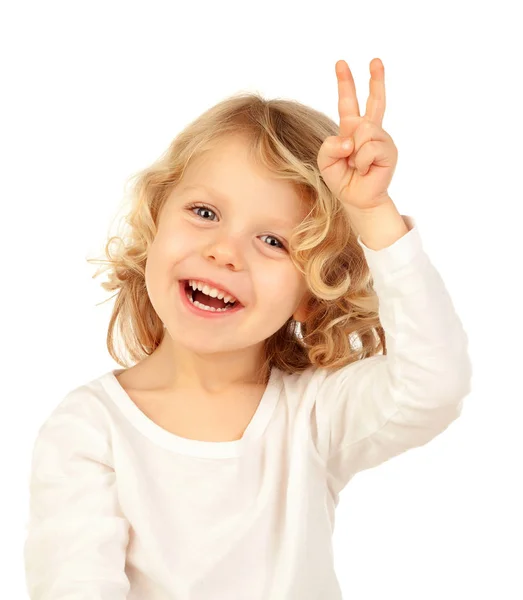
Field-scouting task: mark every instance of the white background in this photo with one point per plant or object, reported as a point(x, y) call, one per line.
point(94, 91)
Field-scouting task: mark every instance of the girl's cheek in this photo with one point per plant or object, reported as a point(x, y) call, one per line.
point(176, 241)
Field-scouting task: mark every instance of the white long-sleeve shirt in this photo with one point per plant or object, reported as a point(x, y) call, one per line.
point(122, 509)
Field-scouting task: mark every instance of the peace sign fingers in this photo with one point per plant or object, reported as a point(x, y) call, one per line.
point(357, 164)
point(348, 107)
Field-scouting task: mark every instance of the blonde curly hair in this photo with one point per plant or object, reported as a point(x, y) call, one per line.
point(342, 323)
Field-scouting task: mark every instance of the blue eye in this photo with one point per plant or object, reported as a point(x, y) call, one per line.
point(209, 209)
point(204, 206)
point(271, 236)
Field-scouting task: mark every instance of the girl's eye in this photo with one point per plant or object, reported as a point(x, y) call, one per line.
point(208, 209)
point(202, 206)
point(277, 240)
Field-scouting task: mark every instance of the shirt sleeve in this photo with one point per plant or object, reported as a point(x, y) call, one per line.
point(376, 408)
point(77, 537)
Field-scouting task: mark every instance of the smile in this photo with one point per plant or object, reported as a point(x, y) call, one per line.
point(200, 309)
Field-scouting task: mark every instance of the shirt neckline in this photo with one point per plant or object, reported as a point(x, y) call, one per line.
point(196, 448)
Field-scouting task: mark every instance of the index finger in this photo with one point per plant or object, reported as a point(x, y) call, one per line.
point(347, 100)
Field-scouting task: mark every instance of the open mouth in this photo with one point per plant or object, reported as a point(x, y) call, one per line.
point(204, 302)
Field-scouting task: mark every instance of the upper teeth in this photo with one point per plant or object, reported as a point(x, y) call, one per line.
point(211, 291)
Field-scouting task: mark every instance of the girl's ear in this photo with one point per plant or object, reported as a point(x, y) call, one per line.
point(300, 314)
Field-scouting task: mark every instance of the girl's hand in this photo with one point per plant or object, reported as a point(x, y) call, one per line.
point(360, 175)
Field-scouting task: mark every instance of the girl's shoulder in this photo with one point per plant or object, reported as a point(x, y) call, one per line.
point(81, 408)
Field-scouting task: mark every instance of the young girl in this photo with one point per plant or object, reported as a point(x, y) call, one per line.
point(287, 331)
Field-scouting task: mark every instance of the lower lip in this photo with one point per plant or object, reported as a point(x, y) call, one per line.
point(206, 314)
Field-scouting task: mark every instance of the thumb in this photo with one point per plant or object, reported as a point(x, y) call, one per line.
point(346, 143)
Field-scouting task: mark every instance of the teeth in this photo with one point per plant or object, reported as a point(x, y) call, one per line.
point(210, 308)
point(205, 307)
point(211, 291)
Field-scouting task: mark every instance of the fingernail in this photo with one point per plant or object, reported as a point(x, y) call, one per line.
point(346, 144)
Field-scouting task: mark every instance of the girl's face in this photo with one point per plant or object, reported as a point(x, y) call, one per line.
point(239, 240)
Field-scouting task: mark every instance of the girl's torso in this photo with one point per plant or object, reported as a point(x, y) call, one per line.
point(219, 418)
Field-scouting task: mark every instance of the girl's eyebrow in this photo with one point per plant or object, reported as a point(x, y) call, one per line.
point(283, 223)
